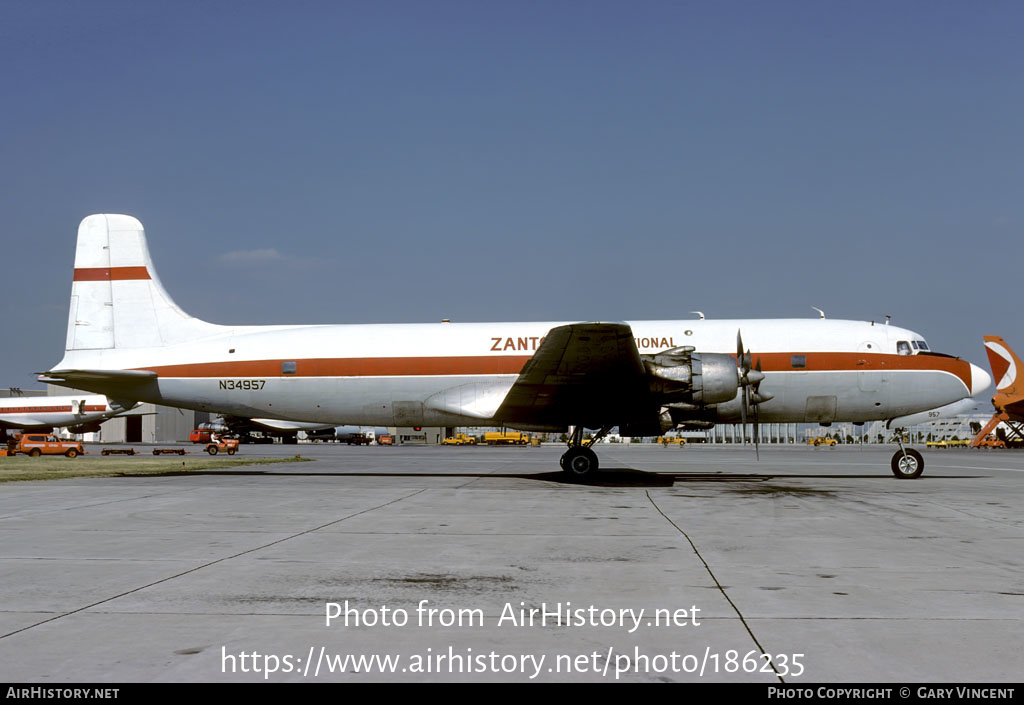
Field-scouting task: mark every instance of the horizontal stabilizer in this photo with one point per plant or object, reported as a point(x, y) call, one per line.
point(114, 383)
point(282, 425)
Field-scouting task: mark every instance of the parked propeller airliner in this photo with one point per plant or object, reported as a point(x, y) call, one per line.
point(128, 339)
point(82, 413)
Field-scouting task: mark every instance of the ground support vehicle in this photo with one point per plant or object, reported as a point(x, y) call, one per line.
point(224, 445)
point(500, 438)
point(36, 444)
point(671, 440)
point(117, 451)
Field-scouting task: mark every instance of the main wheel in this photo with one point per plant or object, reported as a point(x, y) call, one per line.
point(579, 462)
point(908, 467)
point(212, 450)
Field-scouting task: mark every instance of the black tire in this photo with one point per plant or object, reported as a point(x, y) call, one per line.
point(231, 451)
point(212, 450)
point(72, 453)
point(131, 451)
point(35, 453)
point(907, 468)
point(181, 452)
point(579, 463)
point(156, 452)
point(104, 452)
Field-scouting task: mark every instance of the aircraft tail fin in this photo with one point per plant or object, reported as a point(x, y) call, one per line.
point(117, 300)
point(1004, 363)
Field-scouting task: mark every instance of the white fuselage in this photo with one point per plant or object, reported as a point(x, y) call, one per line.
point(55, 412)
point(128, 339)
point(816, 370)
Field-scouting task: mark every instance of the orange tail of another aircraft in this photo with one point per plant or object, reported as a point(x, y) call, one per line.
point(1004, 363)
point(1008, 400)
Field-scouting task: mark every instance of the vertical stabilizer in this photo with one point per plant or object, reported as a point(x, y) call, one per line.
point(1004, 363)
point(117, 300)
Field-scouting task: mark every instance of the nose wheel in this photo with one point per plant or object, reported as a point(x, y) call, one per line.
point(907, 463)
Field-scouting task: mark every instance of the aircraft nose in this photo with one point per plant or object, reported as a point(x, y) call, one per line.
point(980, 380)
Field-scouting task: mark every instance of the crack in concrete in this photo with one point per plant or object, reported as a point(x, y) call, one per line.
point(719, 585)
point(207, 565)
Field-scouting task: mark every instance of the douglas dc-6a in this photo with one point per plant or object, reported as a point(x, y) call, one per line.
point(126, 338)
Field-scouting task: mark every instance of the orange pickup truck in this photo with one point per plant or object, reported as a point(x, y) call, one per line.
point(36, 444)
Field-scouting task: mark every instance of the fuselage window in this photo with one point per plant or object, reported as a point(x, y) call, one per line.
point(903, 348)
point(798, 361)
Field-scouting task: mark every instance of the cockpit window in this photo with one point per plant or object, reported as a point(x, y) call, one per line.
point(920, 345)
point(903, 348)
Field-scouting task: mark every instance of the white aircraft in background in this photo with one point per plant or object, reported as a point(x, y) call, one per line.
point(127, 338)
point(82, 413)
point(287, 430)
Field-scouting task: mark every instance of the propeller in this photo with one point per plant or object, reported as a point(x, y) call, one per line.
point(757, 403)
point(750, 383)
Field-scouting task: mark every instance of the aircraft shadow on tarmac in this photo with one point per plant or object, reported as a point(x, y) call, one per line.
point(611, 477)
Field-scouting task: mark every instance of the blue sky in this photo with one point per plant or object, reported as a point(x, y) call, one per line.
point(336, 162)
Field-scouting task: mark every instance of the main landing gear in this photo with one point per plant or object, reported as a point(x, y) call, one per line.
point(907, 463)
point(580, 461)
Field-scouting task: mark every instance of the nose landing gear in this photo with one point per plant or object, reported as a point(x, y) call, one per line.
point(907, 463)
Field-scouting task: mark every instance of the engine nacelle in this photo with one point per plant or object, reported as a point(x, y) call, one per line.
point(700, 379)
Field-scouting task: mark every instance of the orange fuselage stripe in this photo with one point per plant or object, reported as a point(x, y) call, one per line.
point(513, 364)
point(46, 409)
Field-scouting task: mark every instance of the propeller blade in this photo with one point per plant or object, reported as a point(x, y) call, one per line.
point(757, 435)
point(743, 414)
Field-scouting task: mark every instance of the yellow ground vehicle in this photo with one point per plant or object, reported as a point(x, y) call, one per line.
point(459, 439)
point(671, 440)
point(822, 441)
point(506, 438)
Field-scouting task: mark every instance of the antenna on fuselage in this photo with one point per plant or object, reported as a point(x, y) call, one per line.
point(701, 315)
point(822, 313)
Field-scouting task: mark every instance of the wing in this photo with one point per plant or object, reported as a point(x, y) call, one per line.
point(583, 373)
